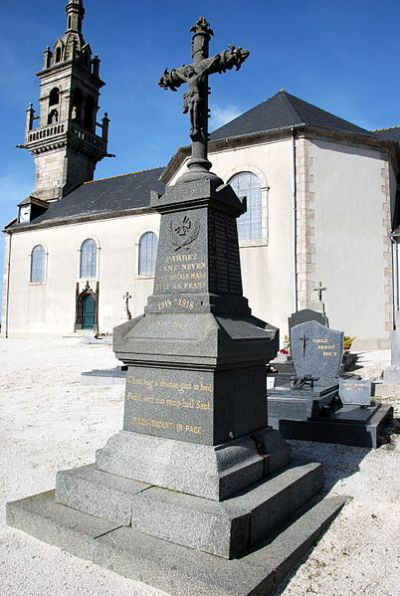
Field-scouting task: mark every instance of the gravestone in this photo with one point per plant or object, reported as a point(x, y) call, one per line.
point(316, 355)
point(304, 316)
point(355, 392)
point(285, 369)
point(328, 408)
point(196, 477)
point(317, 351)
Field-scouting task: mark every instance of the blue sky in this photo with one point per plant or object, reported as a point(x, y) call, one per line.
point(342, 56)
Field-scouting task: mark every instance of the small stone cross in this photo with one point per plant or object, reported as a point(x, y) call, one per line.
point(195, 100)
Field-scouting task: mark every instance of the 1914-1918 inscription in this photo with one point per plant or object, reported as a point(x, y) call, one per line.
point(168, 403)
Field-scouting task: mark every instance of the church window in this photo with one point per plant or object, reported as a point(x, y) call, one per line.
point(147, 253)
point(88, 264)
point(38, 262)
point(250, 223)
point(58, 55)
point(54, 97)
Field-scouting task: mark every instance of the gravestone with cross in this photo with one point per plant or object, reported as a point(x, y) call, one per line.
point(335, 409)
point(317, 351)
point(186, 485)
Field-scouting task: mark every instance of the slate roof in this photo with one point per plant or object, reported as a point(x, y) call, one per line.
point(283, 110)
point(121, 193)
point(391, 134)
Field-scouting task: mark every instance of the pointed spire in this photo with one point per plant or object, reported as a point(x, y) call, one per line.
point(75, 15)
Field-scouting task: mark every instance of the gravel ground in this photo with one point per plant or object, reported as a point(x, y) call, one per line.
point(49, 421)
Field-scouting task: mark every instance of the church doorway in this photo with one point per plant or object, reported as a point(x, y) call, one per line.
point(87, 303)
point(88, 312)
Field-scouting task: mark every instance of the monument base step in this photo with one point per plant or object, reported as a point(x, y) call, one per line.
point(210, 471)
point(353, 426)
point(175, 569)
point(226, 528)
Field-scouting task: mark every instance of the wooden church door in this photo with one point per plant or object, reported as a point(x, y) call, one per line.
point(88, 312)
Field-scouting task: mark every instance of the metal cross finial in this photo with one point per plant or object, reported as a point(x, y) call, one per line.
point(126, 297)
point(320, 290)
point(195, 100)
point(304, 339)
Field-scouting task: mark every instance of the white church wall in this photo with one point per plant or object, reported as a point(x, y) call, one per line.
point(50, 307)
point(352, 247)
point(268, 264)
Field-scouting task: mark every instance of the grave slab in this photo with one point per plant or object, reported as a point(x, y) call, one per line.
point(349, 426)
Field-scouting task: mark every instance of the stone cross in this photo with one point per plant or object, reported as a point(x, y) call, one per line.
point(195, 100)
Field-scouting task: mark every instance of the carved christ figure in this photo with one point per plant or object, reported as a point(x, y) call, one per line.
point(195, 75)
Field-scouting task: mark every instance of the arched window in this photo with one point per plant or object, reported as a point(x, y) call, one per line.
point(250, 223)
point(88, 265)
point(38, 262)
point(147, 253)
point(54, 97)
point(58, 55)
point(88, 121)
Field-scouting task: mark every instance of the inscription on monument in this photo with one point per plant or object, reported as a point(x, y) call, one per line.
point(181, 273)
point(170, 404)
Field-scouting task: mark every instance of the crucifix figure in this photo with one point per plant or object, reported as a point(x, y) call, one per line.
point(304, 339)
point(195, 100)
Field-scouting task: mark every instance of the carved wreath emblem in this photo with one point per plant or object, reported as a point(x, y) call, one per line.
point(183, 232)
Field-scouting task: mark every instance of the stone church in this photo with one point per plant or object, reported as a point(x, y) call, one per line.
point(322, 206)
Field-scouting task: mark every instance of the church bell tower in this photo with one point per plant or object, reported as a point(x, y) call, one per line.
point(65, 138)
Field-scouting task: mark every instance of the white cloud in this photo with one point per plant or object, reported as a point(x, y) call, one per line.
point(220, 116)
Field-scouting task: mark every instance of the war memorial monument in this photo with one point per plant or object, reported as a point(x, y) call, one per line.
point(197, 494)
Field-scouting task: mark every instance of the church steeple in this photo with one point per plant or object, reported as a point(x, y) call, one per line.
point(75, 15)
point(66, 144)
